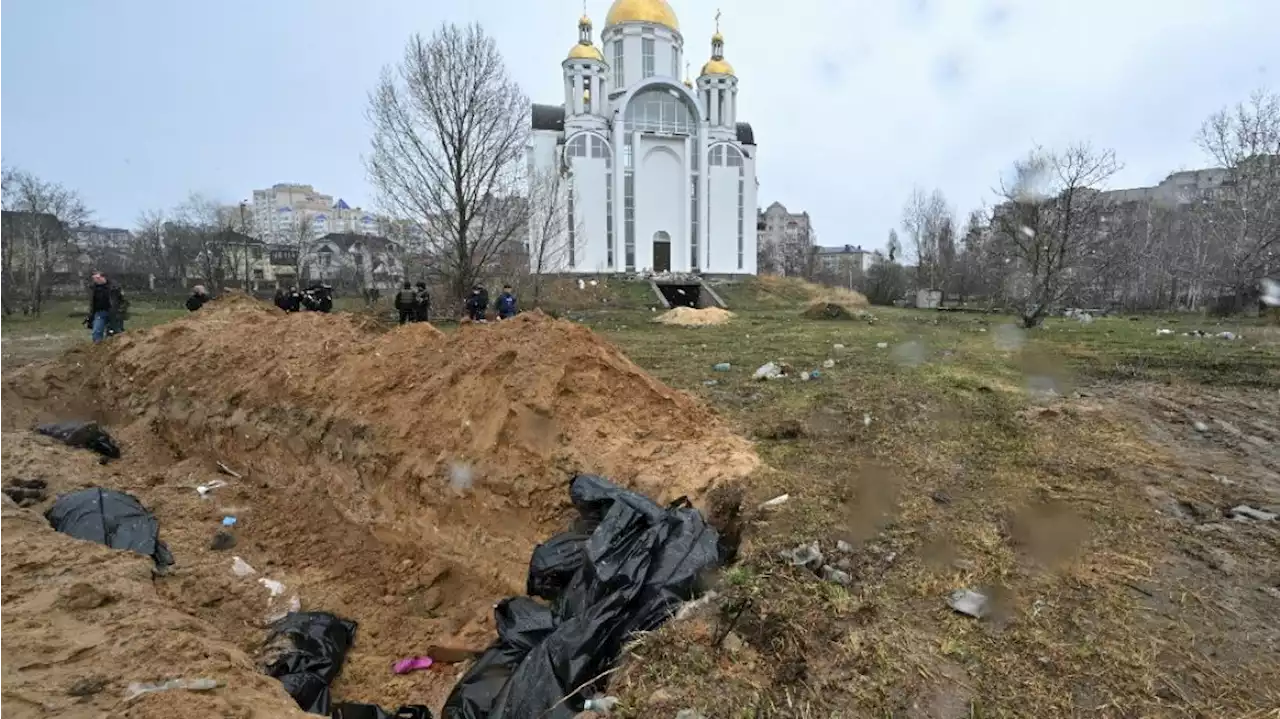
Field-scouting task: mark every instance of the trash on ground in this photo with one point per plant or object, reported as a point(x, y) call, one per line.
point(722, 367)
point(412, 664)
point(835, 576)
point(805, 555)
point(843, 546)
point(967, 601)
point(690, 608)
point(1245, 510)
point(305, 651)
point(26, 492)
point(137, 689)
point(222, 541)
point(777, 501)
point(274, 586)
point(1228, 336)
point(866, 419)
point(228, 521)
point(1200, 426)
point(604, 705)
point(882, 345)
point(837, 347)
point(804, 376)
point(640, 562)
point(229, 471)
point(241, 568)
point(87, 435)
point(828, 364)
point(1164, 332)
point(205, 489)
point(710, 382)
point(112, 518)
point(772, 370)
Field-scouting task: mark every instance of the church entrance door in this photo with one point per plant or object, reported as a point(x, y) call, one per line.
point(661, 251)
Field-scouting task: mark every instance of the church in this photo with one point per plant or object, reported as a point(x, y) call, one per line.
point(659, 174)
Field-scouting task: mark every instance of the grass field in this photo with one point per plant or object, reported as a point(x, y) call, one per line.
point(1079, 475)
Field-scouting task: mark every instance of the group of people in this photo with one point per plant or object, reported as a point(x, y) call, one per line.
point(414, 303)
point(108, 308)
point(315, 298)
point(478, 304)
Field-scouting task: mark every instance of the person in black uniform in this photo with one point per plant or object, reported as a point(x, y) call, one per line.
point(197, 299)
point(407, 303)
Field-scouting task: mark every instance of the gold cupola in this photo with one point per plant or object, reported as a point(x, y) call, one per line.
point(585, 49)
point(717, 65)
point(657, 12)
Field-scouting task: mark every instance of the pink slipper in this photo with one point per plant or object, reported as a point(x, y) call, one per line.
point(404, 666)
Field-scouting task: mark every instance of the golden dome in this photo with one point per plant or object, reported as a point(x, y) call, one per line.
point(654, 11)
point(717, 67)
point(584, 20)
point(585, 52)
point(717, 37)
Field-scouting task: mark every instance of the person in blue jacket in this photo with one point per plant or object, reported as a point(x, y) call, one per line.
point(506, 303)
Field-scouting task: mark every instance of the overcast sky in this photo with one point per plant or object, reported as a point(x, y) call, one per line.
point(136, 103)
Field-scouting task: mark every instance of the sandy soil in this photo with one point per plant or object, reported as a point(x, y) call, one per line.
point(399, 479)
point(692, 317)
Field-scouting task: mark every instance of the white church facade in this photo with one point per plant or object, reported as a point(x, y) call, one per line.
point(658, 174)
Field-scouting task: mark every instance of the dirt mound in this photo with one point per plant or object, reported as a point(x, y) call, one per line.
point(397, 478)
point(775, 291)
point(82, 622)
point(690, 317)
point(827, 309)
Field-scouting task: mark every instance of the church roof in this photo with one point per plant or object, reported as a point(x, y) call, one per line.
point(746, 135)
point(548, 117)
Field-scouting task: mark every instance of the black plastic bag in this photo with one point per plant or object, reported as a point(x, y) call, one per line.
point(553, 564)
point(305, 651)
point(112, 518)
point(522, 624)
point(83, 434)
point(638, 565)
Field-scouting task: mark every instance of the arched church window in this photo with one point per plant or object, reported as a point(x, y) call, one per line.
point(590, 145)
point(619, 78)
point(661, 110)
point(577, 147)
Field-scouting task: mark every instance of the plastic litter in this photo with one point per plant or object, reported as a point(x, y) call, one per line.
point(1164, 332)
point(87, 435)
point(205, 489)
point(604, 705)
point(1245, 510)
point(969, 602)
point(412, 664)
point(882, 345)
point(137, 689)
point(279, 610)
point(305, 651)
point(777, 501)
point(828, 364)
point(241, 568)
point(805, 555)
point(112, 518)
point(722, 367)
point(275, 587)
point(228, 521)
point(640, 562)
point(769, 370)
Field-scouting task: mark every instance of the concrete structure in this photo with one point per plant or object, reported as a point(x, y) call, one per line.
point(1179, 188)
point(661, 174)
point(786, 238)
point(98, 237)
point(843, 259)
point(279, 210)
point(353, 260)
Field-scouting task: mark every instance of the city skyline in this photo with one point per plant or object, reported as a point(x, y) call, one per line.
point(858, 103)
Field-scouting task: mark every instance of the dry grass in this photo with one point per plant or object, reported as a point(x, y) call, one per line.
point(965, 477)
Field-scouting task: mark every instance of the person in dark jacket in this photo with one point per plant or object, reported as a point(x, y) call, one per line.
point(279, 299)
point(407, 303)
point(197, 299)
point(119, 309)
point(423, 304)
point(293, 300)
point(100, 299)
point(506, 305)
point(477, 303)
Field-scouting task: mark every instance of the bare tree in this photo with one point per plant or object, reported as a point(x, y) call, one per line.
point(197, 237)
point(895, 246)
point(924, 216)
point(449, 135)
point(300, 237)
point(550, 241)
point(40, 216)
point(148, 252)
point(1245, 219)
point(1049, 223)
